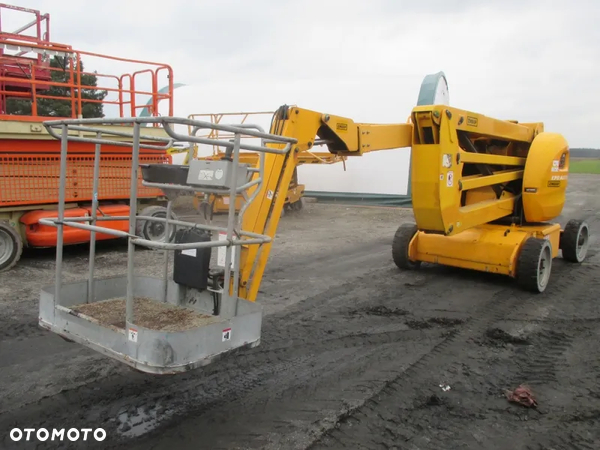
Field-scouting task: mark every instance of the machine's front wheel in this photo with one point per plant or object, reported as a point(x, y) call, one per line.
point(534, 265)
point(574, 241)
point(297, 205)
point(11, 246)
point(402, 238)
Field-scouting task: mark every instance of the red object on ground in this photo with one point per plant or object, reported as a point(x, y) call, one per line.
point(523, 396)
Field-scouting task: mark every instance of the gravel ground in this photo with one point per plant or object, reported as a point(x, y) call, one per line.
point(354, 353)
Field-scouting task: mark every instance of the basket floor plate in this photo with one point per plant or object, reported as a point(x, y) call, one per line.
point(147, 313)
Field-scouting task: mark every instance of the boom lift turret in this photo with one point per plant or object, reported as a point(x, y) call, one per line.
point(483, 192)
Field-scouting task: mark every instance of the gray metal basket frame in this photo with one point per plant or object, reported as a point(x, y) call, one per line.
point(70, 131)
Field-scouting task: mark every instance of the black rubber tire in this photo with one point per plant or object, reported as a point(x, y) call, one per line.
point(14, 239)
point(142, 226)
point(528, 265)
point(402, 238)
point(570, 239)
point(298, 205)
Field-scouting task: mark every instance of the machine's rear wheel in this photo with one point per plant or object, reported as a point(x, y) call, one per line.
point(402, 238)
point(574, 241)
point(11, 246)
point(534, 265)
point(155, 231)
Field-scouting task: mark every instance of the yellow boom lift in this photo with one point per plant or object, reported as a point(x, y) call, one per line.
point(484, 194)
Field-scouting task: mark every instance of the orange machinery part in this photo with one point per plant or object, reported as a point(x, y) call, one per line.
point(33, 179)
point(38, 235)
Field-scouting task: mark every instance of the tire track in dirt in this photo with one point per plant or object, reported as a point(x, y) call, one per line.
point(438, 284)
point(539, 367)
point(300, 341)
point(546, 359)
point(352, 432)
point(118, 378)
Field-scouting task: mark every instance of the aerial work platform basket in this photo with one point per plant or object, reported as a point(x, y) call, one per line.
point(164, 324)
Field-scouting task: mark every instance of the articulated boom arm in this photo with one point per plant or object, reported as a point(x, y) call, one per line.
point(342, 136)
point(467, 169)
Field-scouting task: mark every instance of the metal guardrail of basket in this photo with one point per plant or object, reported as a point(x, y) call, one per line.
point(167, 348)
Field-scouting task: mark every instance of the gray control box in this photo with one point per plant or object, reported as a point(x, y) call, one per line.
point(217, 174)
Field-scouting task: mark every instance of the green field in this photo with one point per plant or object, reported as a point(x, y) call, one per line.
point(584, 166)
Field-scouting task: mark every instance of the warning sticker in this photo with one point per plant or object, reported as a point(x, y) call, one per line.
point(133, 334)
point(189, 252)
point(226, 334)
point(222, 252)
point(555, 165)
point(270, 195)
point(450, 179)
point(447, 160)
point(206, 175)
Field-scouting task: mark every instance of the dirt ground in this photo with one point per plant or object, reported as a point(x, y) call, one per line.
point(354, 354)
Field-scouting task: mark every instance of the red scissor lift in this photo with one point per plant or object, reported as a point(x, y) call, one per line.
point(30, 156)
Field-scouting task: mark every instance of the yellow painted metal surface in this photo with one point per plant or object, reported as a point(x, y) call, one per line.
point(344, 138)
point(487, 248)
point(450, 150)
point(480, 124)
point(546, 177)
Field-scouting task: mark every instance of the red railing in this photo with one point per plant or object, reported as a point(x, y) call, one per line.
point(30, 78)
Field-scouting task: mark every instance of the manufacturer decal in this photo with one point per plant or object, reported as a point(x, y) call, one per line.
point(472, 121)
point(553, 183)
point(341, 126)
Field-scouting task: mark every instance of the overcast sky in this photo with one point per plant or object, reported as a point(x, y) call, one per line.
point(523, 60)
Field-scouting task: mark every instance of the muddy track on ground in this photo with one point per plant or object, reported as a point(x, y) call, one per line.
point(364, 428)
point(439, 354)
